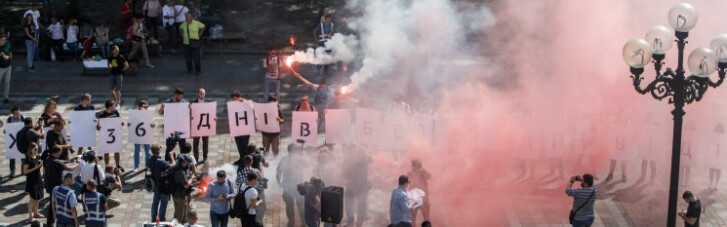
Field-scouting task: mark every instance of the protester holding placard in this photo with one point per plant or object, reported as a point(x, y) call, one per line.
point(272, 139)
point(110, 112)
point(84, 105)
point(177, 97)
point(205, 139)
point(240, 141)
point(143, 105)
point(323, 95)
point(14, 118)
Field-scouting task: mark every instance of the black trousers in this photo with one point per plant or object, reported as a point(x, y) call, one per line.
point(205, 146)
point(241, 142)
point(152, 24)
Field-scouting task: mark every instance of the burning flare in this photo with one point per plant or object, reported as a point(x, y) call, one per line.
point(292, 40)
point(345, 89)
point(289, 62)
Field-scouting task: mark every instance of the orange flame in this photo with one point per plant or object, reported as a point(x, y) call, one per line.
point(203, 185)
point(289, 61)
point(345, 89)
point(292, 40)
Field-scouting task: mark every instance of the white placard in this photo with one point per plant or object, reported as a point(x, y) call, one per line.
point(11, 145)
point(43, 144)
point(305, 127)
point(367, 126)
point(176, 118)
point(338, 126)
point(203, 119)
point(423, 126)
point(83, 128)
point(397, 128)
point(266, 115)
point(140, 131)
point(110, 135)
point(240, 118)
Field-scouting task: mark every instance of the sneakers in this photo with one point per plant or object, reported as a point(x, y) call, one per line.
point(135, 170)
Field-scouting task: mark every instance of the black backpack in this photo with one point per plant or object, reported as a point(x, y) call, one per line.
point(240, 207)
point(166, 182)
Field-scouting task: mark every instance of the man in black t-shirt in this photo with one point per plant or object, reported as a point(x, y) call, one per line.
point(694, 211)
point(117, 67)
point(53, 167)
point(110, 112)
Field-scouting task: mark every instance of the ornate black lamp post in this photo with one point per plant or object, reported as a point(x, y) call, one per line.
point(677, 88)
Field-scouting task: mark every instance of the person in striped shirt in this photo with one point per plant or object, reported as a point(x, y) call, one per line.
point(584, 199)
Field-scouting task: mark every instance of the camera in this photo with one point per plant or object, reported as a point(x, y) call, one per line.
point(577, 178)
point(262, 183)
point(171, 143)
point(312, 187)
point(173, 140)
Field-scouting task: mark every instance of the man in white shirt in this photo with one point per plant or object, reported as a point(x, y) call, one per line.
point(87, 168)
point(251, 200)
point(180, 10)
point(36, 14)
point(169, 15)
point(56, 35)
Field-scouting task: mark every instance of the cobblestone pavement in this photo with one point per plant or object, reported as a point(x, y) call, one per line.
point(630, 203)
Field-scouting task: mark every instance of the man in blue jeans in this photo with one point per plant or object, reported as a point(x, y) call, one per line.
point(218, 194)
point(273, 65)
point(157, 165)
point(143, 105)
point(584, 199)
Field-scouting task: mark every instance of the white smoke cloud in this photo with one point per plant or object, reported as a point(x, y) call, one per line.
point(342, 49)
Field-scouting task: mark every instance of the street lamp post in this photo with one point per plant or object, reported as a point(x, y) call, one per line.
point(672, 85)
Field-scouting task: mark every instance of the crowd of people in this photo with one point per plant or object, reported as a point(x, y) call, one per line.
point(78, 176)
point(74, 177)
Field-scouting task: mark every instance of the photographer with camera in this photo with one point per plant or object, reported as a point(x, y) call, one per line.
point(111, 182)
point(183, 182)
point(90, 170)
point(53, 167)
point(584, 198)
point(311, 192)
point(290, 172)
point(157, 166)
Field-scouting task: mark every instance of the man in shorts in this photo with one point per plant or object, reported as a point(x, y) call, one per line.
point(117, 67)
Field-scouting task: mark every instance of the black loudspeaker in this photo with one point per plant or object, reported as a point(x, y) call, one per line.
point(332, 205)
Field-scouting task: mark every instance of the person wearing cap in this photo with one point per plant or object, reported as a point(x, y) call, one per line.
point(694, 211)
point(183, 180)
point(218, 194)
point(584, 199)
point(400, 204)
point(63, 203)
